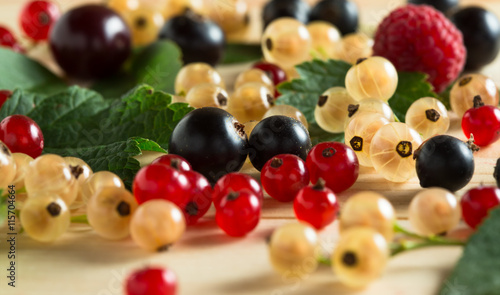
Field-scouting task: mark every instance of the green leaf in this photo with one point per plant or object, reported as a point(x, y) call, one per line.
point(19, 71)
point(115, 86)
point(303, 93)
point(315, 78)
point(116, 157)
point(444, 96)
point(478, 270)
point(411, 86)
point(62, 117)
point(157, 65)
point(240, 53)
point(319, 135)
point(146, 113)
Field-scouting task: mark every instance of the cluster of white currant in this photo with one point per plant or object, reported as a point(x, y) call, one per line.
point(362, 112)
point(50, 188)
point(252, 100)
point(146, 17)
point(366, 228)
point(287, 42)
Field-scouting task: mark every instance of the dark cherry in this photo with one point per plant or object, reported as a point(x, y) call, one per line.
point(90, 41)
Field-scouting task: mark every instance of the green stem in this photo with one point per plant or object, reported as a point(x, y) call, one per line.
point(425, 241)
point(324, 260)
point(80, 219)
point(404, 245)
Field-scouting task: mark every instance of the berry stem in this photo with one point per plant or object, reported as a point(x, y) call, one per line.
point(426, 241)
point(79, 219)
point(404, 245)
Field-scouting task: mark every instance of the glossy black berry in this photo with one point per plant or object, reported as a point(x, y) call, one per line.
point(278, 135)
point(481, 32)
point(90, 41)
point(444, 161)
point(200, 39)
point(442, 5)
point(275, 9)
point(212, 141)
point(341, 13)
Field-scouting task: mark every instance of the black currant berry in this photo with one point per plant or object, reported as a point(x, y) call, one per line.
point(442, 5)
point(200, 39)
point(212, 141)
point(275, 9)
point(278, 135)
point(496, 173)
point(341, 13)
point(481, 32)
point(445, 161)
point(90, 41)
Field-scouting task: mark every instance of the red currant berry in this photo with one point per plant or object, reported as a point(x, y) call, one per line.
point(477, 202)
point(8, 40)
point(284, 176)
point(4, 95)
point(37, 18)
point(316, 205)
point(235, 182)
point(238, 213)
point(483, 122)
point(22, 135)
point(200, 197)
point(152, 281)
point(274, 72)
point(335, 163)
point(174, 161)
point(161, 182)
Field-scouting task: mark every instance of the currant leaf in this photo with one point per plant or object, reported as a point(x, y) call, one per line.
point(146, 113)
point(478, 270)
point(411, 86)
point(19, 71)
point(315, 78)
point(118, 157)
point(63, 117)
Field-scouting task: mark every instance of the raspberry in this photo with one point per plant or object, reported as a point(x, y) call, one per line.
point(420, 38)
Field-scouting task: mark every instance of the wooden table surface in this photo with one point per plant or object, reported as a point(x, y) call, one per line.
point(208, 262)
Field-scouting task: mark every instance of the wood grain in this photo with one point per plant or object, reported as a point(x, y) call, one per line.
point(208, 262)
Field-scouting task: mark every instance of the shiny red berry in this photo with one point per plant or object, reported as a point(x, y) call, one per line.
point(477, 202)
point(174, 161)
point(483, 122)
point(238, 213)
point(7, 39)
point(274, 72)
point(4, 95)
point(200, 197)
point(152, 281)
point(161, 182)
point(37, 17)
point(283, 176)
point(335, 163)
point(22, 135)
point(235, 182)
point(316, 205)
